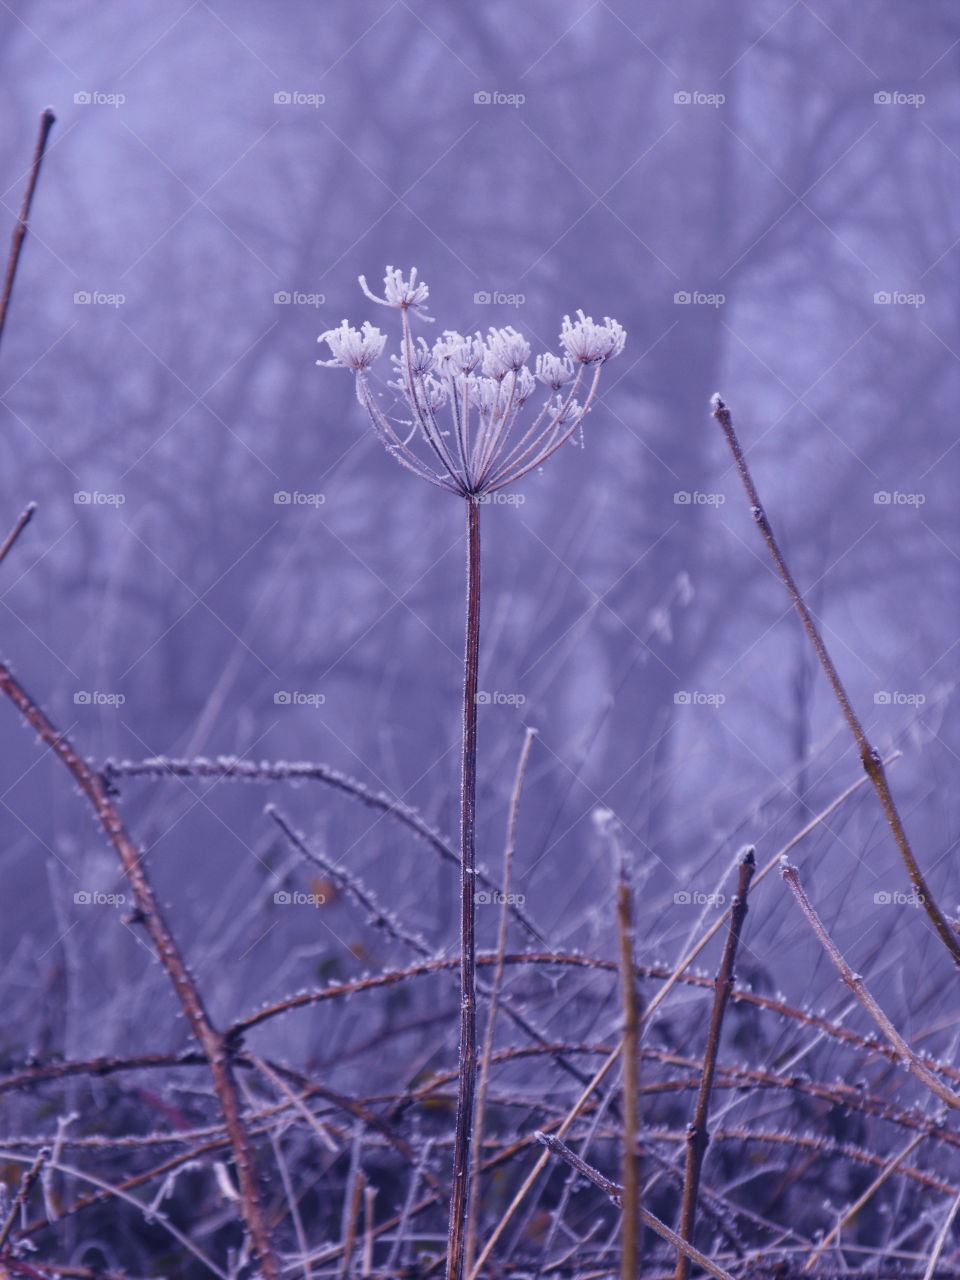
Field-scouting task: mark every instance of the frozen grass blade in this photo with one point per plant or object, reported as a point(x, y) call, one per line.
point(869, 757)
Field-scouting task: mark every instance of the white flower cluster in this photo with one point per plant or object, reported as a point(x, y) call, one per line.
point(483, 383)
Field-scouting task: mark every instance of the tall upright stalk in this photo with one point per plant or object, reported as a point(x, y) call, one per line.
point(467, 1071)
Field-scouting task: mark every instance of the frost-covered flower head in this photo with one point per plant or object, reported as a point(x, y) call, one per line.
point(480, 384)
point(353, 348)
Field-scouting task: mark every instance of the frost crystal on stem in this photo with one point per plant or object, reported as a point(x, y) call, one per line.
point(481, 386)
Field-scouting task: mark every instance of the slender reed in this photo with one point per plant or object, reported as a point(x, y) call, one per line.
point(869, 756)
point(47, 119)
point(484, 386)
point(698, 1135)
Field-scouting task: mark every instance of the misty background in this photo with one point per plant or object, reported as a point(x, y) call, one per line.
point(764, 195)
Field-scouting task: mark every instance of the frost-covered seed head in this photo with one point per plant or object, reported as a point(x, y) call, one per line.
point(588, 342)
point(506, 350)
point(398, 292)
point(554, 371)
point(485, 383)
point(456, 354)
point(353, 348)
point(420, 357)
point(524, 385)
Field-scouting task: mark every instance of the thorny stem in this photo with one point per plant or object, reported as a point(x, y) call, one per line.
point(467, 1077)
point(211, 1041)
point(698, 1135)
point(870, 758)
point(231, 769)
point(47, 119)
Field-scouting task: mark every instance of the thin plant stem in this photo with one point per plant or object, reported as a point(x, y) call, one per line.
point(909, 1059)
point(47, 119)
point(869, 757)
point(493, 1004)
point(467, 1076)
point(698, 1135)
point(211, 1041)
point(630, 1235)
point(615, 1195)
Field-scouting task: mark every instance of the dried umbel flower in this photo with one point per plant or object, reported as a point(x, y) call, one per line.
point(480, 385)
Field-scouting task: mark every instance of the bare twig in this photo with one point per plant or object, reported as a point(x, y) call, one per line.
point(493, 1003)
point(698, 1135)
point(869, 756)
point(615, 1195)
point(47, 119)
point(22, 522)
point(148, 913)
point(908, 1058)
